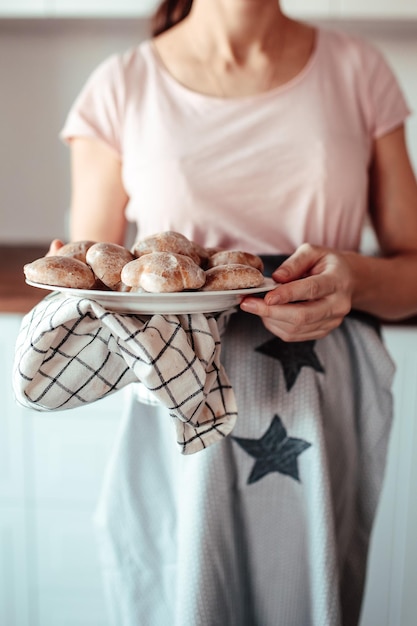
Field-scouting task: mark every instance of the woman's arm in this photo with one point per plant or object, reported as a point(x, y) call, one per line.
point(388, 286)
point(98, 199)
point(319, 286)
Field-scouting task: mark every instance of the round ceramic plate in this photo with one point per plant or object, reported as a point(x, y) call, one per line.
point(175, 303)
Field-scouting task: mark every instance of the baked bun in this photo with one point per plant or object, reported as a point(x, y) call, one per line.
point(75, 249)
point(169, 241)
point(60, 271)
point(107, 261)
point(224, 257)
point(232, 276)
point(163, 272)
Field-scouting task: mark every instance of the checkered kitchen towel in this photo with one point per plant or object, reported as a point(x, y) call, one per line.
point(72, 351)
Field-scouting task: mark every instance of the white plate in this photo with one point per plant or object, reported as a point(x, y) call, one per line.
point(175, 303)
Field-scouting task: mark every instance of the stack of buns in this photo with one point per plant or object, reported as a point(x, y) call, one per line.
point(162, 263)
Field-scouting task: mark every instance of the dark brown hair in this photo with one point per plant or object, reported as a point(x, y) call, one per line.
point(169, 13)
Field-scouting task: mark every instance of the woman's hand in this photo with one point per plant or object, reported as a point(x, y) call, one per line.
point(318, 286)
point(56, 244)
point(312, 298)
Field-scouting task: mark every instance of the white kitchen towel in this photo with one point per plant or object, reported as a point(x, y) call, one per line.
point(72, 351)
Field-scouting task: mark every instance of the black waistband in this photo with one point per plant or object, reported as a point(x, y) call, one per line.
point(272, 261)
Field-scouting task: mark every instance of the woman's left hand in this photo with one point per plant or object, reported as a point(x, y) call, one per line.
point(55, 245)
point(312, 298)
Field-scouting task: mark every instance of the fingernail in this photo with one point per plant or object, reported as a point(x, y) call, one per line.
point(280, 272)
point(250, 306)
point(271, 299)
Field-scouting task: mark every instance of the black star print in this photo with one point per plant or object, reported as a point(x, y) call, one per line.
point(274, 451)
point(293, 356)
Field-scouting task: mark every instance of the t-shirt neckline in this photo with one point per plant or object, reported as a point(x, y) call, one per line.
point(176, 84)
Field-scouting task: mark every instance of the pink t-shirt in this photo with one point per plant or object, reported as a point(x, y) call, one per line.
point(261, 173)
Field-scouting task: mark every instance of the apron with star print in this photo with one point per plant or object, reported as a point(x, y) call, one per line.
point(269, 527)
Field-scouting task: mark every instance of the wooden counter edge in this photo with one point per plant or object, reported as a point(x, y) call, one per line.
point(15, 295)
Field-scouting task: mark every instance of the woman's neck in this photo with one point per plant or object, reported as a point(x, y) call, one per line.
point(232, 48)
point(233, 30)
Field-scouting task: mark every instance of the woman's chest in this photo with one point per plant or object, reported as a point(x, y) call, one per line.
point(198, 163)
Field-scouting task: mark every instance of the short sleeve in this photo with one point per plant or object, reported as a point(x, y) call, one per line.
point(387, 106)
point(98, 110)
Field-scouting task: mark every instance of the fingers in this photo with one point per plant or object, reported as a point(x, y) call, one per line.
point(299, 321)
point(312, 297)
point(298, 316)
point(289, 336)
point(305, 289)
point(56, 244)
point(303, 322)
point(310, 288)
point(298, 264)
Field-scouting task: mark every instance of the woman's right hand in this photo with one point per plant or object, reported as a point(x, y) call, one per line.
point(56, 244)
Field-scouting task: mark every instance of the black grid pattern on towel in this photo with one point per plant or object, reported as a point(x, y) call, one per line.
point(72, 351)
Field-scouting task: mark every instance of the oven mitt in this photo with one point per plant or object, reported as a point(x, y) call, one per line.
point(72, 351)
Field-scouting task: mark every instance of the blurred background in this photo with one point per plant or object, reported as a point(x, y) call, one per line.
point(51, 466)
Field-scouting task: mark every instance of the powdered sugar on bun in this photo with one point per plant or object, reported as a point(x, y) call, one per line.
point(76, 249)
point(169, 241)
point(107, 261)
point(232, 276)
point(60, 271)
point(163, 272)
point(224, 257)
point(162, 263)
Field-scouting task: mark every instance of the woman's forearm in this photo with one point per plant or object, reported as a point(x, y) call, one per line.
point(385, 286)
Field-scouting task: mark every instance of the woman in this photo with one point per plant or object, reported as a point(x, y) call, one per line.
point(242, 128)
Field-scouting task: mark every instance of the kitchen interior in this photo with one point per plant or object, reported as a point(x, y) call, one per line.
point(51, 465)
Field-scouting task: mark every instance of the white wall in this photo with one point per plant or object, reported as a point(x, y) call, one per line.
point(43, 64)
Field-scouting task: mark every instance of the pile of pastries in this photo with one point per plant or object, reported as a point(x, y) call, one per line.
point(162, 263)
